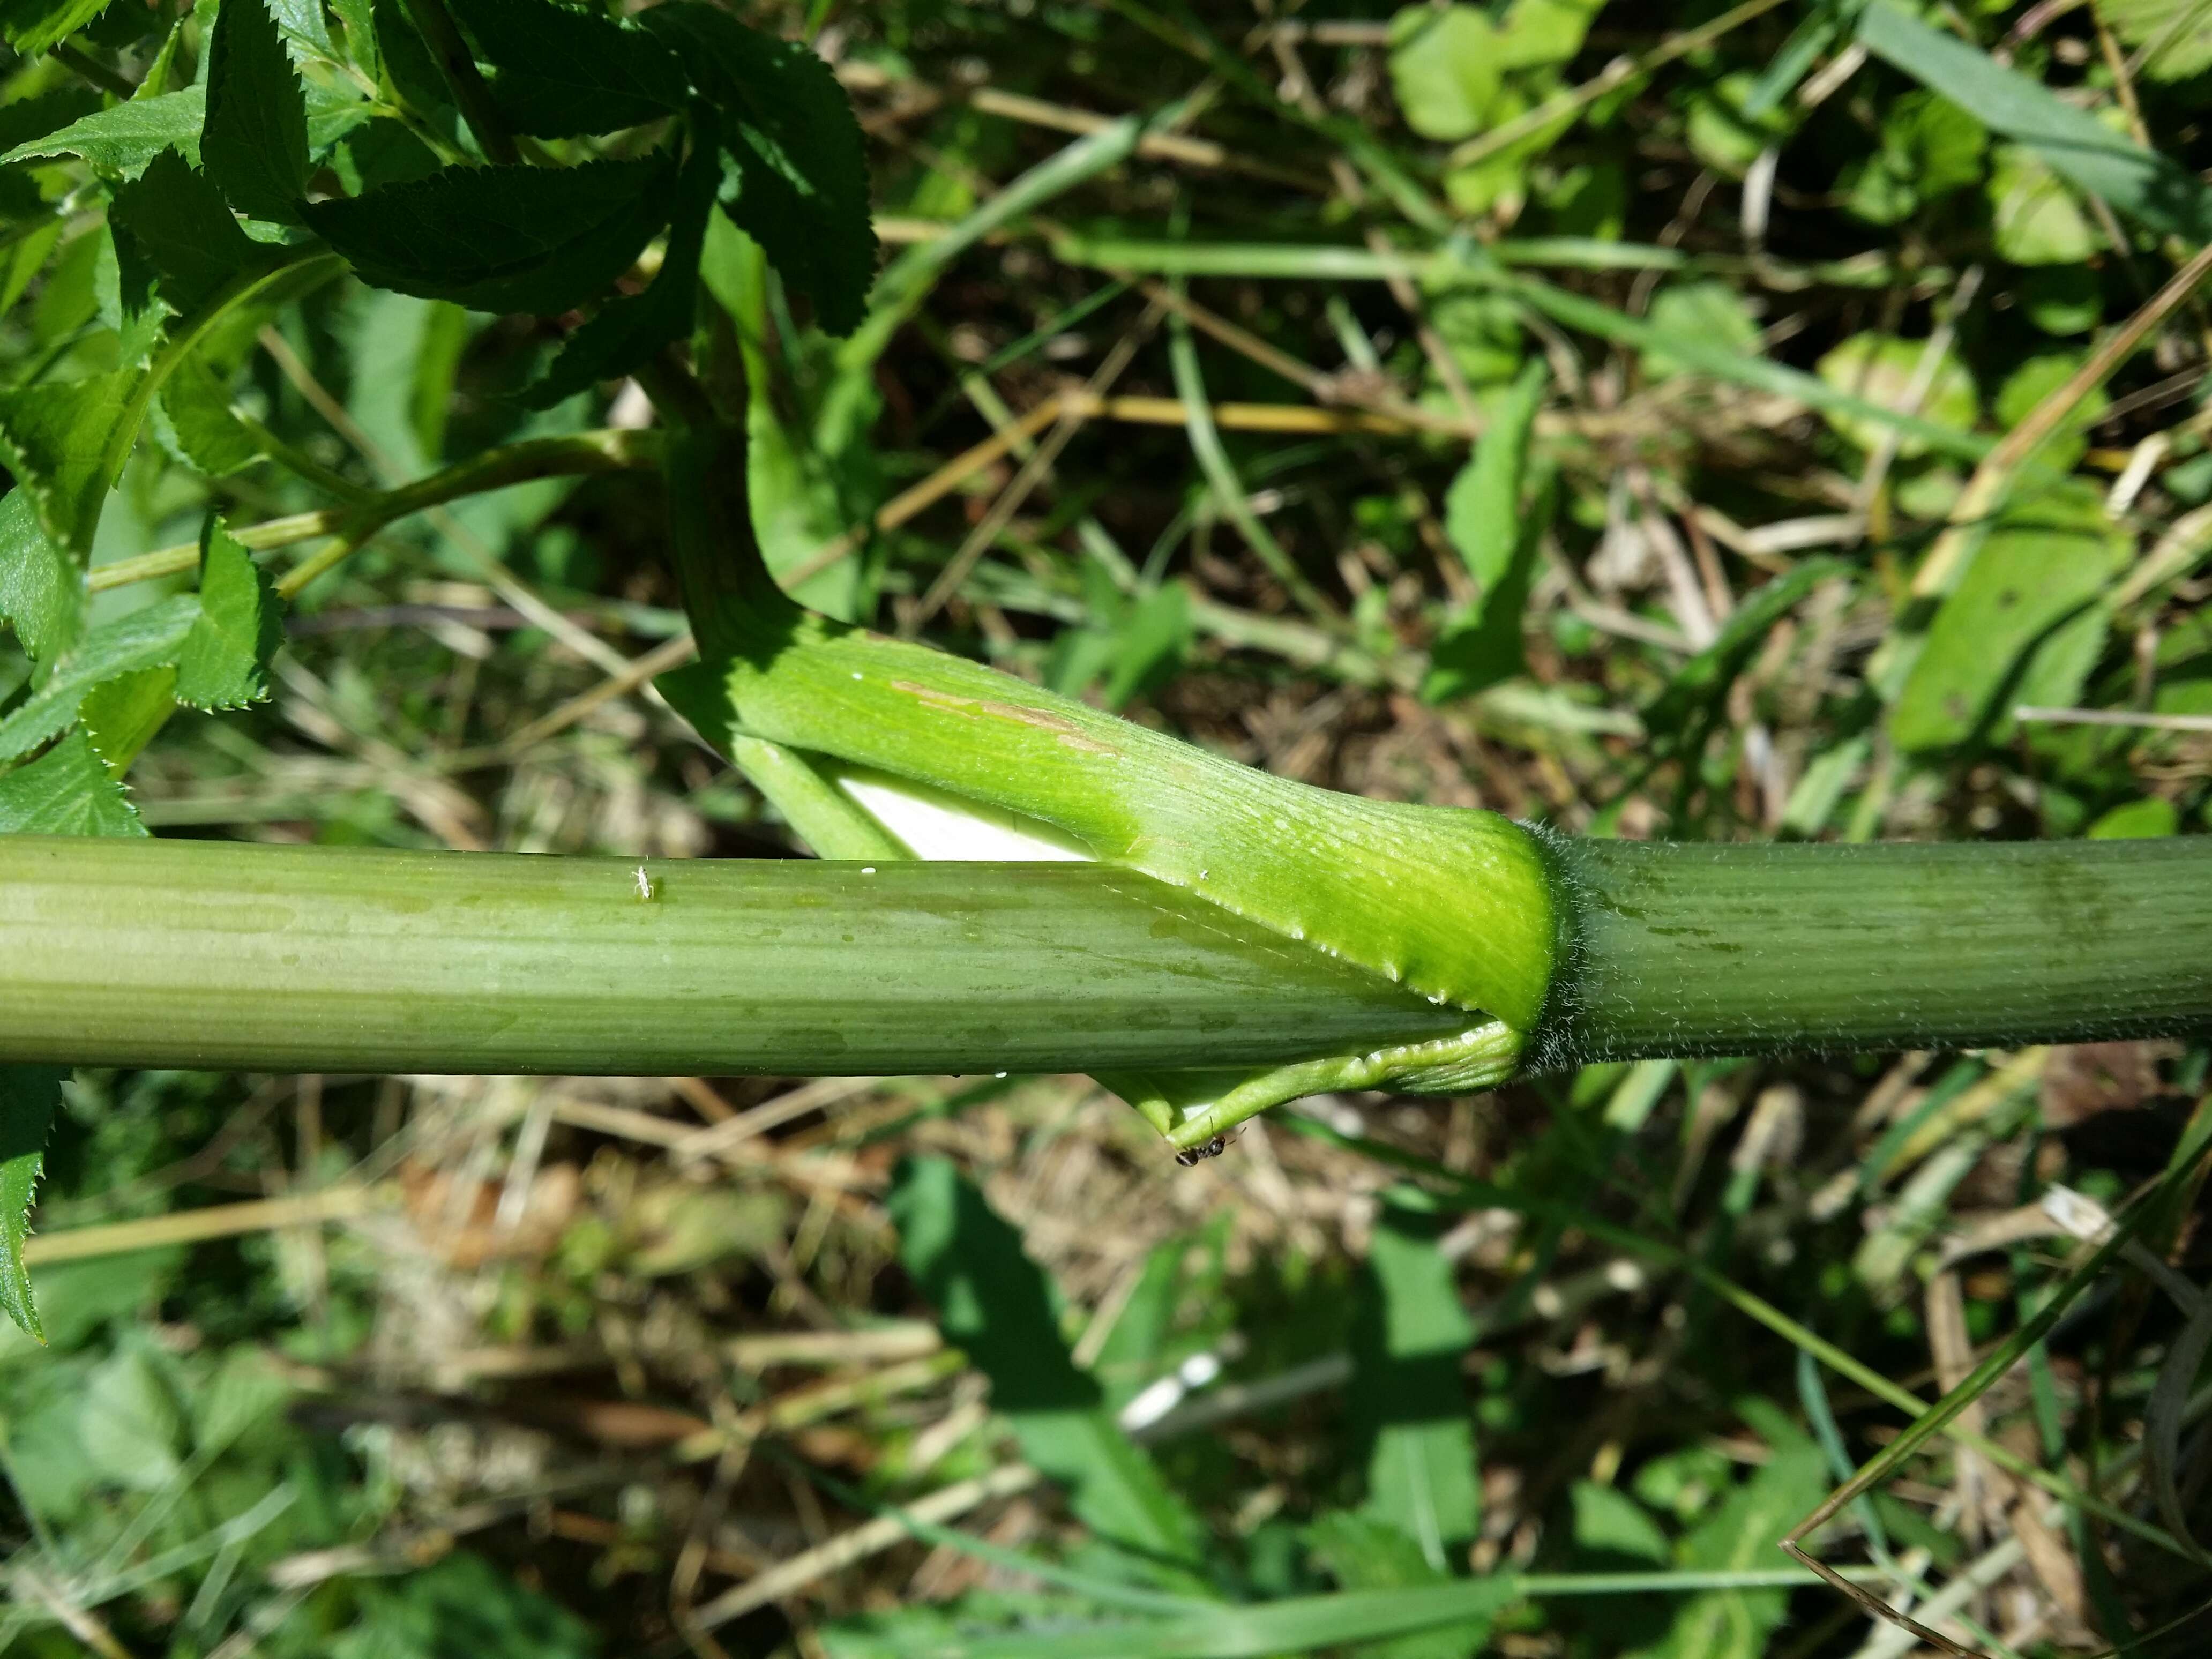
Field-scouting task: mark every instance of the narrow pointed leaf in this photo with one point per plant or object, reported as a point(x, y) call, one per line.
point(255, 144)
point(2155, 189)
point(994, 1303)
point(1414, 1422)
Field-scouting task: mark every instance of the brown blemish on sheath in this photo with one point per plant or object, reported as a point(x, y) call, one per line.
point(1064, 730)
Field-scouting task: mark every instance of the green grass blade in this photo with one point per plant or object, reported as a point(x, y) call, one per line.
point(2153, 189)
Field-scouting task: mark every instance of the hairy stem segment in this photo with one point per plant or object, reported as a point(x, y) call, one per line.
point(221, 956)
point(1686, 949)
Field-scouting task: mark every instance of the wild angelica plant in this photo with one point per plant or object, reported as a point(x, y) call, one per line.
point(1210, 939)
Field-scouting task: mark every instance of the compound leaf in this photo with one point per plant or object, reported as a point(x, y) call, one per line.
point(800, 188)
point(503, 238)
point(255, 144)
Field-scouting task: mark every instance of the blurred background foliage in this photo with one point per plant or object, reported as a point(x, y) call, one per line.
point(1745, 312)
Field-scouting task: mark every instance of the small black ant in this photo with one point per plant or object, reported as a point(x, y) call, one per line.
point(1192, 1155)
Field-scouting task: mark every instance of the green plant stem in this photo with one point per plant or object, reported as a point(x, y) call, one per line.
point(531, 458)
point(458, 67)
point(1684, 948)
point(223, 956)
point(213, 955)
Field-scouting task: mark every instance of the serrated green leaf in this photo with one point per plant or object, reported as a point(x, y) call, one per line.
point(255, 144)
point(1412, 1420)
point(29, 118)
point(2155, 189)
point(2037, 571)
point(499, 239)
point(144, 639)
point(224, 661)
point(121, 716)
point(196, 423)
point(303, 21)
point(172, 229)
point(125, 138)
point(561, 73)
point(35, 26)
point(67, 791)
point(407, 63)
point(41, 588)
point(55, 438)
point(801, 170)
point(29, 1096)
point(629, 328)
point(994, 1303)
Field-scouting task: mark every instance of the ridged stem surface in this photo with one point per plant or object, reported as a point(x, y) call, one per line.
point(223, 956)
point(1688, 948)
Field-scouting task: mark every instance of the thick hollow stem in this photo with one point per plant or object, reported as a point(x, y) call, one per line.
point(215, 955)
point(1682, 948)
